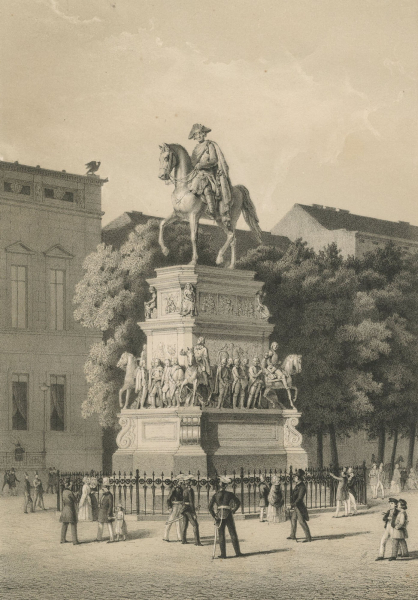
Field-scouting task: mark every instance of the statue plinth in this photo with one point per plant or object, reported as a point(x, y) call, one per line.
point(222, 306)
point(226, 314)
point(209, 440)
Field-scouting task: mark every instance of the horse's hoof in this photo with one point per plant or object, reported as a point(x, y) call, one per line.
point(165, 251)
point(219, 260)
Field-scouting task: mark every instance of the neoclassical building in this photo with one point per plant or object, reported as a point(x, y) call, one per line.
point(49, 222)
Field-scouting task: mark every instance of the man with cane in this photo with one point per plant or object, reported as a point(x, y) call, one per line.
point(227, 505)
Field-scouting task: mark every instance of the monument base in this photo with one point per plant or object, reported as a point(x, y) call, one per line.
point(210, 441)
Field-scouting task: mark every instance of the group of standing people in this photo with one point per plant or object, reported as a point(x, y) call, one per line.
point(345, 495)
point(88, 508)
point(400, 480)
point(10, 479)
point(396, 529)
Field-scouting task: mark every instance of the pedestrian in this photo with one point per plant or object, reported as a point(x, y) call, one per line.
point(55, 481)
point(121, 529)
point(27, 498)
point(381, 481)
point(93, 498)
point(298, 507)
point(85, 512)
point(105, 511)
point(39, 492)
point(263, 492)
point(404, 477)
point(395, 485)
point(400, 532)
point(69, 513)
point(342, 492)
point(50, 482)
point(175, 505)
point(227, 505)
point(412, 482)
point(389, 518)
point(188, 511)
point(373, 480)
point(6, 480)
point(12, 482)
point(275, 500)
point(351, 486)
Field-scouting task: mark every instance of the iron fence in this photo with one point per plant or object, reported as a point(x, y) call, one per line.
point(147, 493)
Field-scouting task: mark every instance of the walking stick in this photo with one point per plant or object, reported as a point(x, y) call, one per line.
point(215, 542)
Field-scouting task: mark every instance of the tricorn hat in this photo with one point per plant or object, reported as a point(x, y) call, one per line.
point(393, 500)
point(198, 127)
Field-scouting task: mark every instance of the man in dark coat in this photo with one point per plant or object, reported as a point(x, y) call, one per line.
point(27, 502)
point(189, 512)
point(69, 513)
point(105, 511)
point(227, 505)
point(12, 482)
point(6, 479)
point(299, 510)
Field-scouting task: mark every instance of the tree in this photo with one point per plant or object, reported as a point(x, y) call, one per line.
point(111, 296)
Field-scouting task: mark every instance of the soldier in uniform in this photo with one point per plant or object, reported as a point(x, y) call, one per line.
point(166, 383)
point(239, 384)
point(201, 355)
point(299, 510)
point(189, 511)
point(255, 383)
point(227, 505)
point(212, 174)
point(155, 378)
point(223, 382)
point(141, 383)
point(175, 505)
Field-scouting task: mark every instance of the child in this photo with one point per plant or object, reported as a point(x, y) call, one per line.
point(399, 532)
point(120, 523)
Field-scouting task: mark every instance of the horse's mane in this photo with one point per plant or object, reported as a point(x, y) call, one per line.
point(180, 152)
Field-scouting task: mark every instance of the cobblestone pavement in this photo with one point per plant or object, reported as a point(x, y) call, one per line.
point(338, 564)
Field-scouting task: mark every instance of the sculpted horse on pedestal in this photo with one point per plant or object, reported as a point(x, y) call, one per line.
point(282, 379)
point(176, 166)
point(128, 363)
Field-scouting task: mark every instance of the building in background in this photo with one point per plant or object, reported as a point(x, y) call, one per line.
point(354, 234)
point(49, 222)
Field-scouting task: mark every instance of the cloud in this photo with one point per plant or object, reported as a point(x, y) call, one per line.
point(55, 7)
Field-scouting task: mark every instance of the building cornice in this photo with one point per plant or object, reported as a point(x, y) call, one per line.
point(86, 179)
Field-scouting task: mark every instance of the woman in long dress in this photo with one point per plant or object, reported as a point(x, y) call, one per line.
point(85, 512)
point(275, 500)
point(373, 479)
point(395, 484)
point(342, 492)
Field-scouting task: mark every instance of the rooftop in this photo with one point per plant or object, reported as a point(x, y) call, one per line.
point(117, 231)
point(334, 218)
point(16, 166)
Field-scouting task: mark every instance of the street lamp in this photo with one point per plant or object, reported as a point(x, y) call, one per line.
point(44, 388)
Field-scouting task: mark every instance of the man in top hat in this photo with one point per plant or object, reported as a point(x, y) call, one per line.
point(189, 511)
point(212, 177)
point(389, 519)
point(105, 511)
point(68, 513)
point(227, 505)
point(299, 510)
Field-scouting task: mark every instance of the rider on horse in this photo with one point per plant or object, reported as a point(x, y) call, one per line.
point(212, 178)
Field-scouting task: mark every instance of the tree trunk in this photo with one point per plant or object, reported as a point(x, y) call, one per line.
point(393, 457)
point(412, 436)
point(381, 445)
point(319, 450)
point(333, 446)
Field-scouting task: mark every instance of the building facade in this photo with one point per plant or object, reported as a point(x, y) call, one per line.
point(50, 221)
point(354, 234)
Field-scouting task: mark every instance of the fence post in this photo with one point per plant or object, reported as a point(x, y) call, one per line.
point(365, 482)
point(242, 490)
point(58, 492)
point(137, 491)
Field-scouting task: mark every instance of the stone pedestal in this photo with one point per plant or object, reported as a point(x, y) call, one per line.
point(209, 440)
point(227, 314)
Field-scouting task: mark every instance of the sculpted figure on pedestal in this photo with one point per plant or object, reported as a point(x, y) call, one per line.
point(239, 384)
point(223, 383)
point(176, 378)
point(261, 309)
point(155, 384)
point(141, 384)
point(166, 389)
point(255, 383)
point(151, 305)
point(127, 362)
point(188, 303)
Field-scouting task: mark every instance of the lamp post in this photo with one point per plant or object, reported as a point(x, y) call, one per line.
point(44, 388)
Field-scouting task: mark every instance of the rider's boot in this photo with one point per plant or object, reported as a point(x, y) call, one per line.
point(210, 199)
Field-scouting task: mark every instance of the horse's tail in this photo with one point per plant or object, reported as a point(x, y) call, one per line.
point(250, 213)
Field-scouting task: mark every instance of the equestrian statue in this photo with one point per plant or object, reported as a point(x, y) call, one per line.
point(202, 188)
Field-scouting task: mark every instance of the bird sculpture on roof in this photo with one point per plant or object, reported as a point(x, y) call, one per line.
point(92, 167)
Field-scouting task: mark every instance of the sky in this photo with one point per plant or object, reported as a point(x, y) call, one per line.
point(311, 101)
